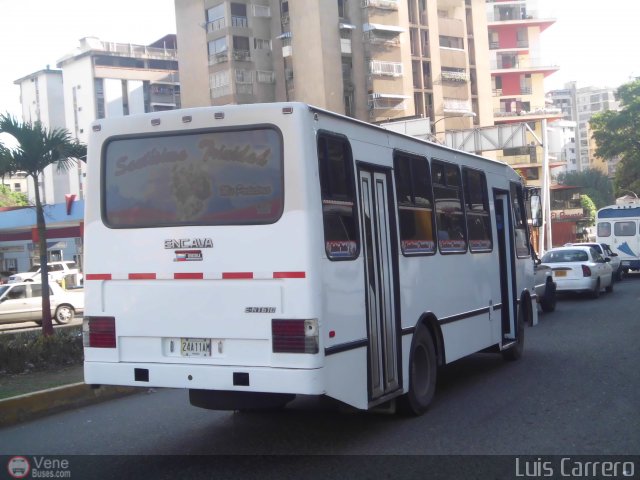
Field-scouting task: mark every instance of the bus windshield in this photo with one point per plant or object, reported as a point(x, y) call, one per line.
point(204, 178)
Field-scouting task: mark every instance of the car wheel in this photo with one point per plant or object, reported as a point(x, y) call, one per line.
point(64, 314)
point(620, 274)
point(609, 289)
point(549, 299)
point(423, 370)
point(595, 293)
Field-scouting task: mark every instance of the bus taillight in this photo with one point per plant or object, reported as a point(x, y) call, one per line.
point(99, 332)
point(294, 336)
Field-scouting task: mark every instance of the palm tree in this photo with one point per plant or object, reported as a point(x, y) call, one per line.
point(37, 148)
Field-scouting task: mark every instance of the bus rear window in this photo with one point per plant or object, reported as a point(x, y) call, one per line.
point(223, 177)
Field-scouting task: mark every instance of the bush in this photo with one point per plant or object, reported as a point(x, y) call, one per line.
point(31, 351)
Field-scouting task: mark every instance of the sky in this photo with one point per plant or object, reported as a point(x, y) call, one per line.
point(593, 42)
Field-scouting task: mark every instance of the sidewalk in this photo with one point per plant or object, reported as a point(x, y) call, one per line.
point(29, 396)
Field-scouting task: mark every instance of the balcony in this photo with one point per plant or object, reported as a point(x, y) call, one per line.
point(531, 112)
point(244, 89)
point(242, 55)
point(391, 69)
point(382, 4)
point(387, 101)
point(378, 34)
point(522, 64)
point(455, 105)
point(217, 24)
point(219, 57)
point(221, 91)
point(239, 22)
point(455, 76)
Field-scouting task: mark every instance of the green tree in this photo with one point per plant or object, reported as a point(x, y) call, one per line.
point(37, 148)
point(589, 207)
point(617, 134)
point(594, 183)
point(12, 199)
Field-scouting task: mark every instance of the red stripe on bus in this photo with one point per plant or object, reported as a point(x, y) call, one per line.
point(188, 276)
point(142, 276)
point(289, 275)
point(97, 276)
point(237, 275)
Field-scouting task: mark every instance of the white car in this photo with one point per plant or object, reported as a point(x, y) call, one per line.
point(22, 302)
point(606, 252)
point(57, 271)
point(579, 269)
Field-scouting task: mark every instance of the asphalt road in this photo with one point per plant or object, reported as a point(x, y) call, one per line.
point(575, 392)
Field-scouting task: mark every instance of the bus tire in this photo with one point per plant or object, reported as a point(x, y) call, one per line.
point(515, 351)
point(423, 369)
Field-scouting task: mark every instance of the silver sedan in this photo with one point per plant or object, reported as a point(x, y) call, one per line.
point(579, 269)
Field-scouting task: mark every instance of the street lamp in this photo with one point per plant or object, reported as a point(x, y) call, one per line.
point(465, 114)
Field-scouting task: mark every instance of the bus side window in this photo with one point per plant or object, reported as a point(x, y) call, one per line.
point(477, 209)
point(447, 193)
point(604, 229)
point(415, 205)
point(624, 229)
point(520, 220)
point(337, 187)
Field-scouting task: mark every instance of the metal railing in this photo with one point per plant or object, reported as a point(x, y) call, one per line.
point(383, 4)
point(217, 24)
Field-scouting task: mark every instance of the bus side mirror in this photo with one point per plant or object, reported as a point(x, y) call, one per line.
point(536, 211)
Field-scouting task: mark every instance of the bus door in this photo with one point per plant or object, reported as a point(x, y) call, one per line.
point(380, 291)
point(507, 265)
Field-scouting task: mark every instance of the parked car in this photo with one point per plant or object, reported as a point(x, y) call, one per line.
point(4, 276)
point(545, 287)
point(57, 271)
point(22, 302)
point(606, 252)
point(579, 269)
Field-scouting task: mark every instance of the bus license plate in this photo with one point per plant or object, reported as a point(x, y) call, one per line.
point(195, 347)
point(560, 273)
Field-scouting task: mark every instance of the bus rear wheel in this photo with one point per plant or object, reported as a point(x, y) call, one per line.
point(423, 370)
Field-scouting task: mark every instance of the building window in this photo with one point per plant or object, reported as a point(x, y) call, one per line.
point(265, 76)
point(261, 44)
point(261, 11)
point(451, 42)
point(239, 15)
point(218, 45)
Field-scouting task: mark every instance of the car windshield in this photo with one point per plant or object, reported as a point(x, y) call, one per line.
point(35, 268)
point(557, 256)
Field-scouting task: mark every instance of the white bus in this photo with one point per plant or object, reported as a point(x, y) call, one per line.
point(252, 253)
point(619, 226)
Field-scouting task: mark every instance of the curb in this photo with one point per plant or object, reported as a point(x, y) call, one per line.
point(38, 404)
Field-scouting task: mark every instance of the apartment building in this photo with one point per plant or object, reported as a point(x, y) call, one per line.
point(98, 79)
point(517, 78)
point(42, 101)
point(375, 60)
point(579, 105)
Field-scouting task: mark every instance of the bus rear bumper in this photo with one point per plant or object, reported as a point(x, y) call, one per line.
point(206, 377)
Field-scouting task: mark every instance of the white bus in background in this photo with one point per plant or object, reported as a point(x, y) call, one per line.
point(252, 253)
point(619, 227)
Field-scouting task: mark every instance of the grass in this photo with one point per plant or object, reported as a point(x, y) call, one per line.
point(30, 362)
point(19, 384)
